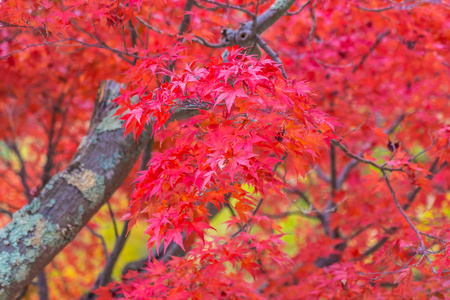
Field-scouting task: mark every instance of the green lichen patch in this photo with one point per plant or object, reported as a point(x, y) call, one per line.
point(22, 272)
point(90, 184)
point(20, 226)
point(33, 207)
point(79, 218)
point(24, 237)
point(282, 4)
point(5, 269)
point(51, 203)
point(110, 122)
point(82, 143)
point(109, 163)
point(50, 184)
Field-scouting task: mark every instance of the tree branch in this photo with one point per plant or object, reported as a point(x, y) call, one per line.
point(271, 53)
point(43, 228)
point(23, 174)
point(433, 170)
point(346, 170)
point(105, 277)
point(380, 37)
point(227, 5)
point(270, 16)
point(300, 10)
point(263, 22)
point(422, 248)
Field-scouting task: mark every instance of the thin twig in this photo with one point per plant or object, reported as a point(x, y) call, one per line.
point(310, 38)
point(148, 25)
point(72, 20)
point(400, 209)
point(102, 240)
point(423, 151)
point(321, 174)
point(6, 212)
point(346, 151)
point(113, 218)
point(380, 37)
point(300, 10)
point(291, 213)
point(405, 5)
point(246, 226)
point(119, 53)
point(30, 46)
point(203, 42)
point(433, 170)
point(48, 167)
point(124, 40)
point(255, 18)
point(271, 53)
point(375, 9)
point(43, 286)
point(23, 174)
point(230, 208)
point(330, 207)
point(187, 16)
point(311, 209)
point(356, 129)
point(227, 5)
point(346, 170)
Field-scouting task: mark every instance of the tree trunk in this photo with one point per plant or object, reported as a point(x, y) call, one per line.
point(40, 230)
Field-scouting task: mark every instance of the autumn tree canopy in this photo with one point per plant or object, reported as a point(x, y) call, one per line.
point(263, 149)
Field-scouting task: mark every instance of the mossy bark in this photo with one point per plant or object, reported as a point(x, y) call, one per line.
point(40, 230)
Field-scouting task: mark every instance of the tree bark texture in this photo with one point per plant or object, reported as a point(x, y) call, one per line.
point(40, 230)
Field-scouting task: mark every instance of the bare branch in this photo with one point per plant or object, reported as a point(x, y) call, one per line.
point(271, 53)
point(380, 37)
point(227, 5)
point(355, 129)
point(300, 10)
point(291, 213)
point(422, 248)
point(6, 212)
point(121, 54)
point(330, 207)
point(148, 25)
point(375, 9)
point(310, 39)
point(343, 148)
point(264, 21)
point(52, 141)
point(31, 46)
point(187, 17)
point(345, 172)
point(255, 17)
point(23, 174)
point(246, 226)
point(202, 41)
point(102, 240)
point(43, 286)
point(433, 170)
point(321, 174)
point(113, 219)
point(423, 151)
point(270, 16)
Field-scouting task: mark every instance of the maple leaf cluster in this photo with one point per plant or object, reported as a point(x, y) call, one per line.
point(254, 117)
point(330, 182)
